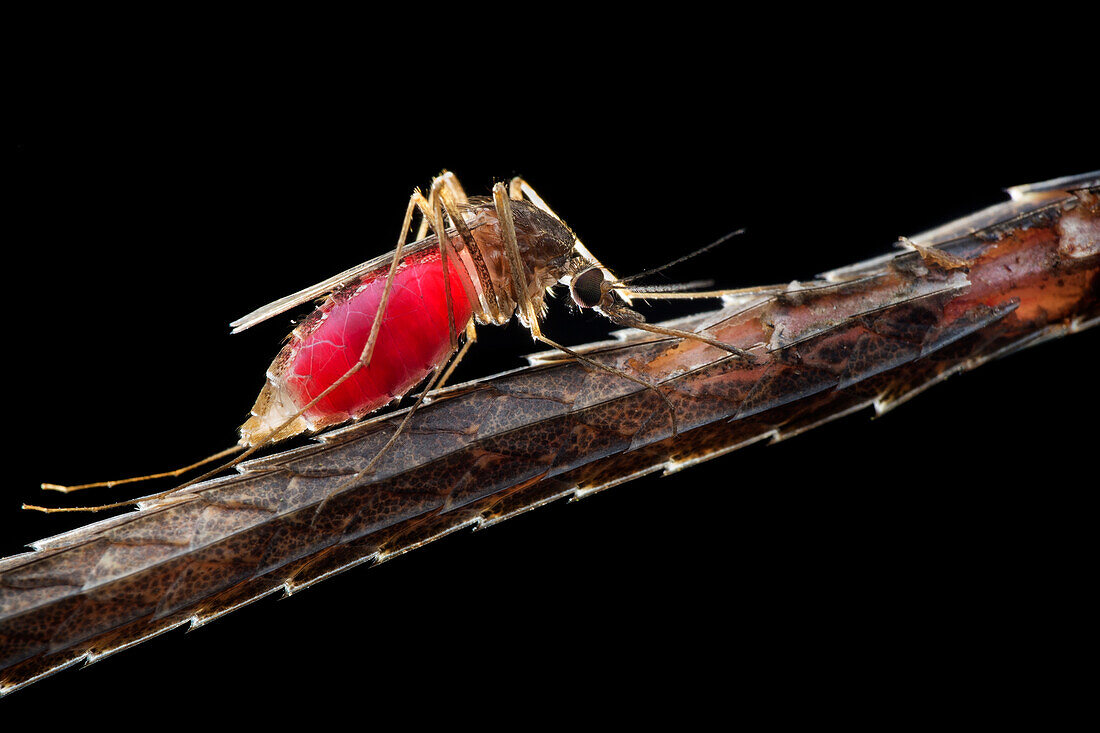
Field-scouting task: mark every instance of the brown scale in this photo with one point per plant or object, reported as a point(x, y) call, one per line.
point(886, 331)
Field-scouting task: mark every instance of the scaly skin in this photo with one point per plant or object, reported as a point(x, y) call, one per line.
point(874, 336)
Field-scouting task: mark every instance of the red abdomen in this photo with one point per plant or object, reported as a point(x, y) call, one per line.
point(413, 339)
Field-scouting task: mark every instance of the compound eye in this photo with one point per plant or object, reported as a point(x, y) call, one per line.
point(587, 288)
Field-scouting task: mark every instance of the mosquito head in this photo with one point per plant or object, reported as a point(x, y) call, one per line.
point(590, 289)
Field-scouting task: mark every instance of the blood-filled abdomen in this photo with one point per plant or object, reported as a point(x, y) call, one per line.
point(413, 339)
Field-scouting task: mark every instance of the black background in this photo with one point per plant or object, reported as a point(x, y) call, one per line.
point(929, 548)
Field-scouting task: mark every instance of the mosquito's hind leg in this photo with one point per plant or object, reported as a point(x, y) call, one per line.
point(416, 201)
point(149, 477)
point(393, 438)
point(471, 337)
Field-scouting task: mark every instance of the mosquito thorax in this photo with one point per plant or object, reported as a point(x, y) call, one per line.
point(545, 247)
point(545, 243)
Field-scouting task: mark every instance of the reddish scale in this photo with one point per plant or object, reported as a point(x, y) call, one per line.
point(1023, 264)
point(413, 340)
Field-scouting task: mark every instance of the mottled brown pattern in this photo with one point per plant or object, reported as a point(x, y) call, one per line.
point(502, 446)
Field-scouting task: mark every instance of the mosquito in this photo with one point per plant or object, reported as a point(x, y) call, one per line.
point(410, 315)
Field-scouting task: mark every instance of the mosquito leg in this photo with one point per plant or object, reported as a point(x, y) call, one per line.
point(432, 385)
point(435, 202)
point(518, 188)
point(490, 306)
point(630, 319)
point(446, 193)
point(448, 182)
point(524, 307)
point(617, 372)
point(447, 190)
point(432, 213)
point(148, 477)
point(511, 247)
point(415, 201)
point(396, 433)
point(471, 337)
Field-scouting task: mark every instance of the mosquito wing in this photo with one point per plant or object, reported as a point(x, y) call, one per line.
point(324, 287)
